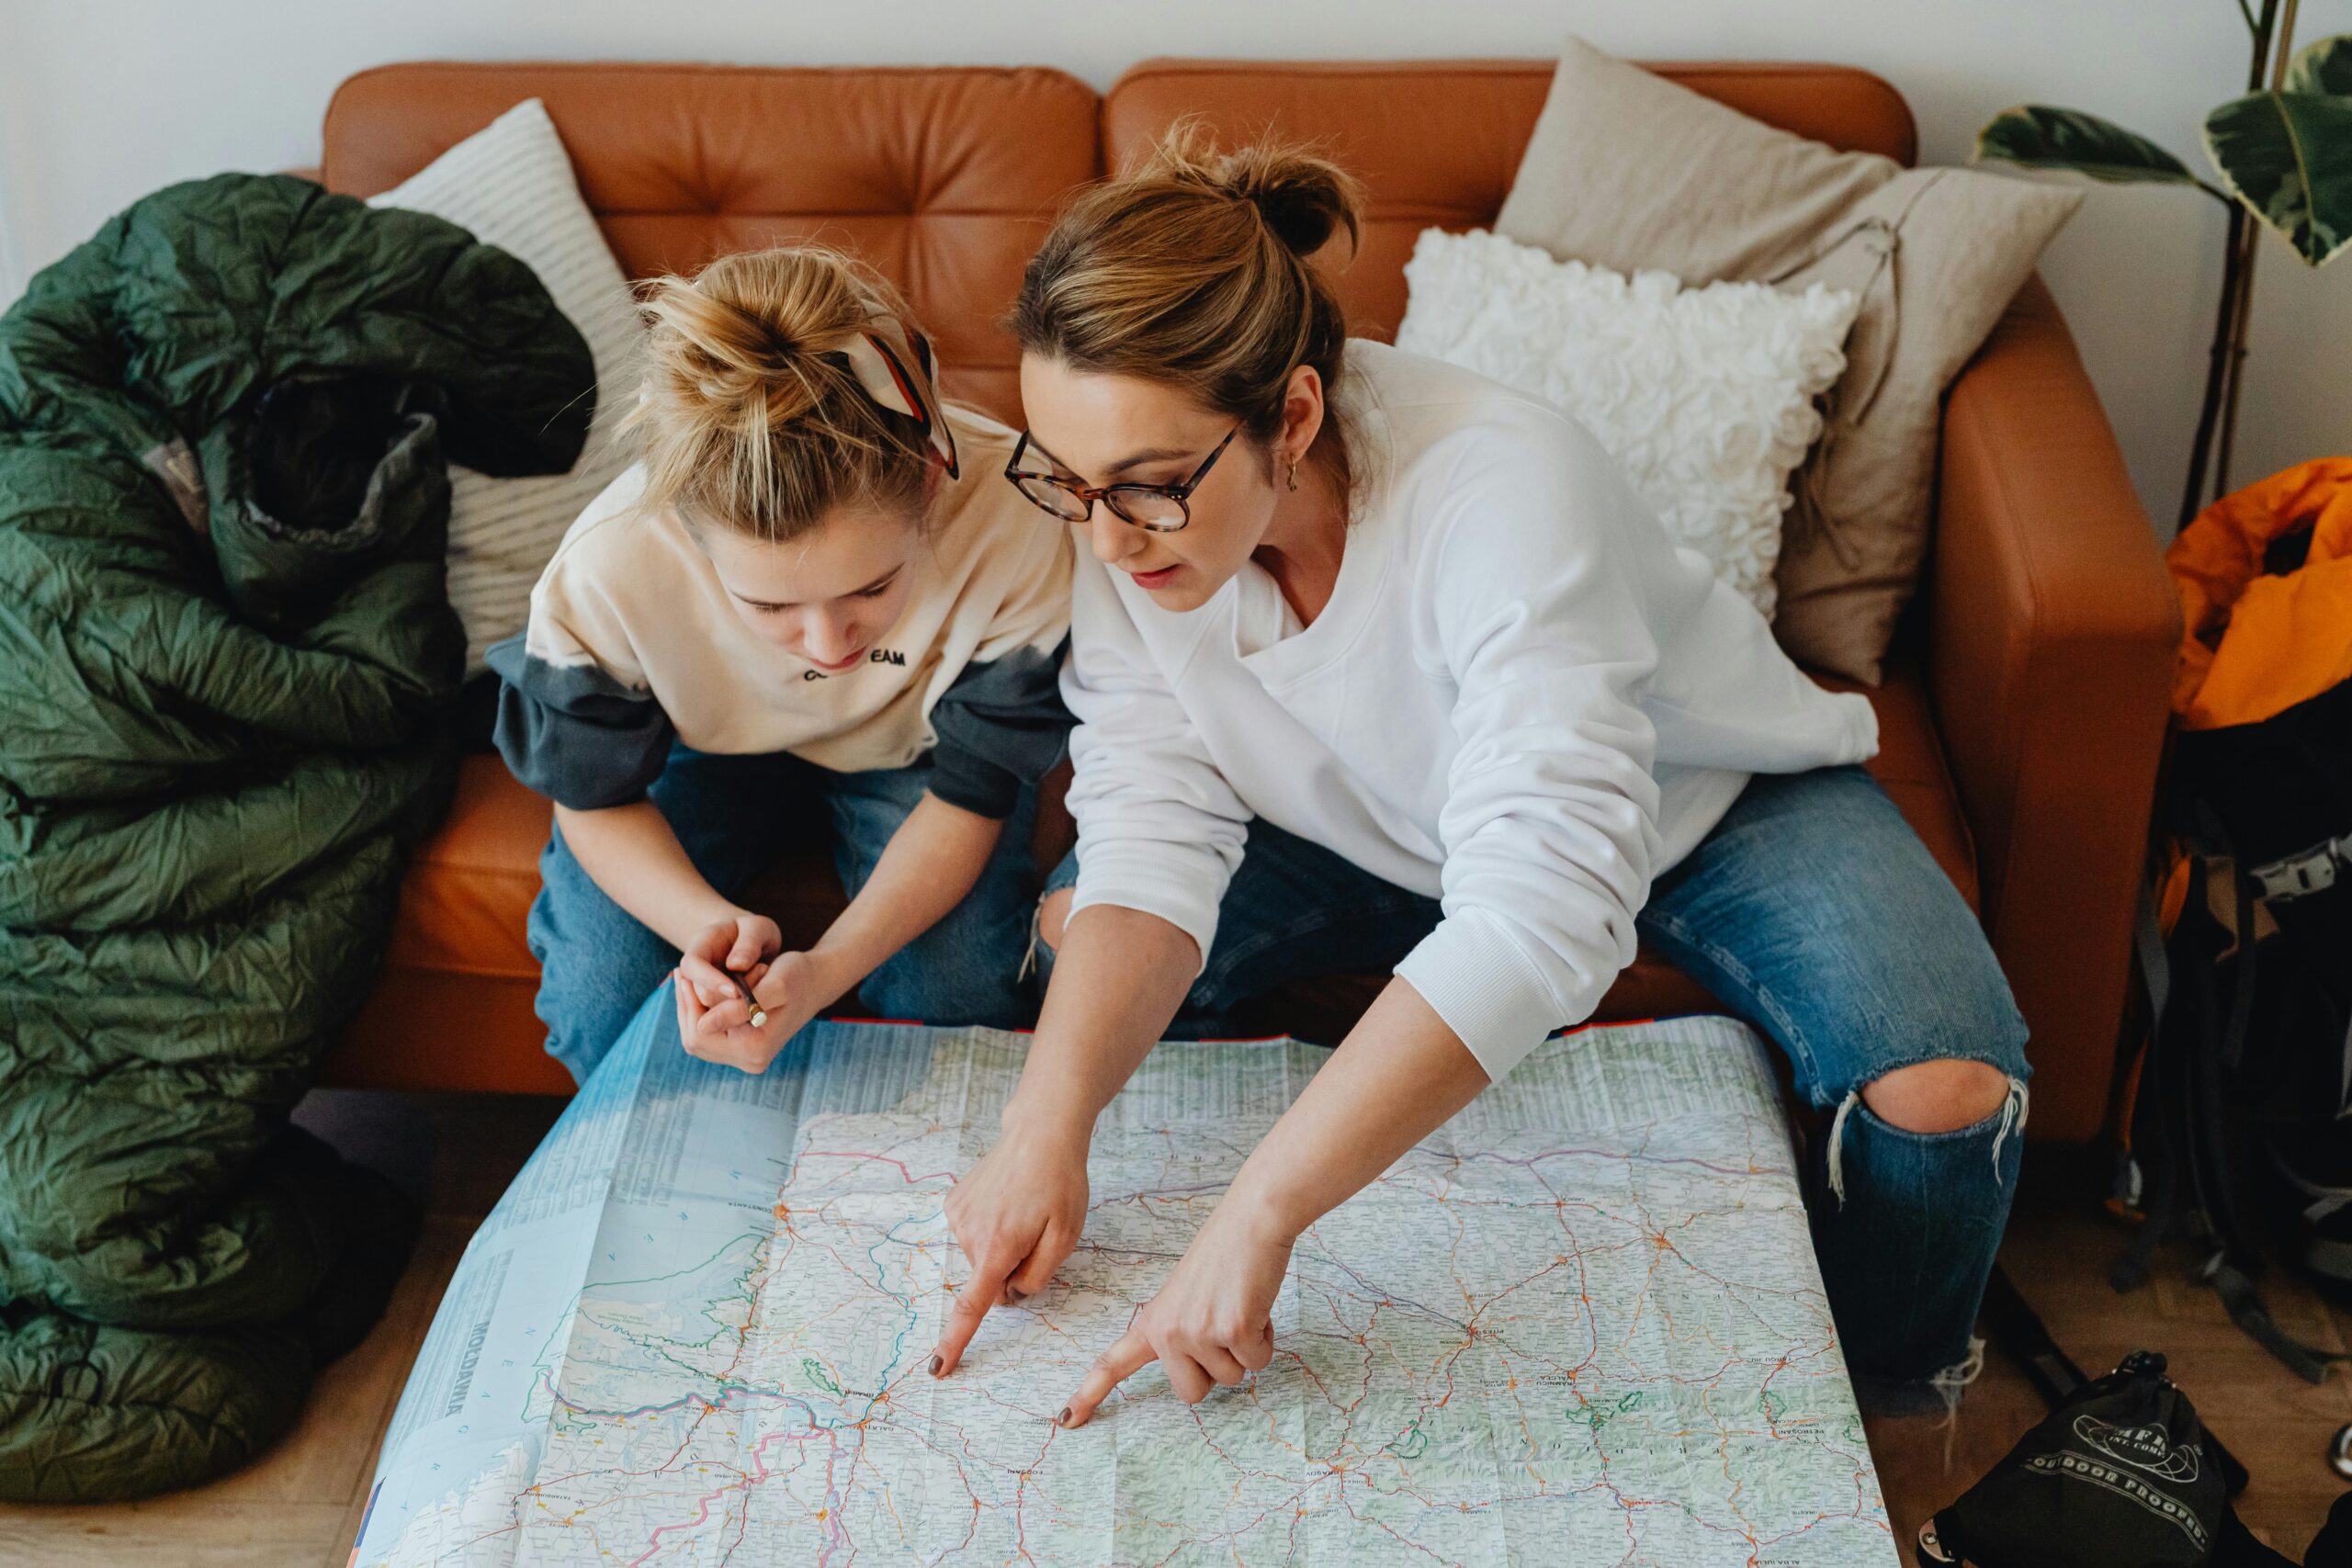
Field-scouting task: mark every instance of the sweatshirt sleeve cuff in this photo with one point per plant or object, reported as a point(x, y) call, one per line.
point(1476, 978)
point(1134, 882)
point(971, 781)
point(1862, 735)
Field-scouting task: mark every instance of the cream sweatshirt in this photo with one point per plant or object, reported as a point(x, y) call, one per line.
point(632, 644)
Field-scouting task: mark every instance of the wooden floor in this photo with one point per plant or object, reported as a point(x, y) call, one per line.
point(300, 1505)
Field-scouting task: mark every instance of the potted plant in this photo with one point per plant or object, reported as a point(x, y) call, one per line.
point(2283, 153)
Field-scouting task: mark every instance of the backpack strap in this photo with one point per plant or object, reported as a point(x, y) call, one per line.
point(2310, 870)
point(2161, 1204)
point(2248, 950)
point(2246, 1307)
point(2181, 1084)
point(2018, 1330)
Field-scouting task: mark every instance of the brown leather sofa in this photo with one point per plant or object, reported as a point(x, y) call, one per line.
point(2023, 715)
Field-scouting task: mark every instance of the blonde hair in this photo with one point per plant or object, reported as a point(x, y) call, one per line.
point(742, 426)
point(1191, 270)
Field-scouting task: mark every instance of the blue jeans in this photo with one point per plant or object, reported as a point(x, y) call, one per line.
point(734, 815)
point(1814, 911)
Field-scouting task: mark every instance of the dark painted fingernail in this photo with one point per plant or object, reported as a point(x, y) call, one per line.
point(1016, 1293)
point(1062, 1419)
point(935, 1366)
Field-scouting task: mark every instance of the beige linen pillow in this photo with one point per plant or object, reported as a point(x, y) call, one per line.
point(1630, 171)
point(511, 184)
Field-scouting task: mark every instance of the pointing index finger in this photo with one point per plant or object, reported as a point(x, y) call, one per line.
point(972, 1304)
point(1115, 1366)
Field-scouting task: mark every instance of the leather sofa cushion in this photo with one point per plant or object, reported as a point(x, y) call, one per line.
point(943, 179)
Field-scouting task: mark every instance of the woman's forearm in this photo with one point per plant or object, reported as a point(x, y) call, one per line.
point(931, 862)
point(1397, 1077)
point(633, 855)
point(1119, 976)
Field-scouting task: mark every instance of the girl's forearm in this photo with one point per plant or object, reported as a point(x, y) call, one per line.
point(1399, 1076)
point(1119, 976)
point(930, 864)
point(633, 855)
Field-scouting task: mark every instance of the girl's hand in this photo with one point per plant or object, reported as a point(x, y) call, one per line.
point(792, 991)
point(1016, 1214)
point(739, 942)
point(1212, 1323)
point(744, 1047)
point(713, 1021)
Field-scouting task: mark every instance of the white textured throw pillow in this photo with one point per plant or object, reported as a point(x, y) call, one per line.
point(511, 184)
point(1704, 395)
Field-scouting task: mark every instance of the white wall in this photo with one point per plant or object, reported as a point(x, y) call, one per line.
point(101, 100)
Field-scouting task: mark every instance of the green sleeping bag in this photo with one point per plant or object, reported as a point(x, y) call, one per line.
point(226, 663)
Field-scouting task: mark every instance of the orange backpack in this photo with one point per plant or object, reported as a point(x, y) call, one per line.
point(2245, 943)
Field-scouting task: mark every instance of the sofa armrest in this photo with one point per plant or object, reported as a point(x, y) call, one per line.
point(2052, 630)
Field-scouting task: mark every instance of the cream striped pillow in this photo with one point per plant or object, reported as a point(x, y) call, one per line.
point(511, 184)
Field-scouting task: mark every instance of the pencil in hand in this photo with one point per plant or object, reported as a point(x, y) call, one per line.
point(759, 1013)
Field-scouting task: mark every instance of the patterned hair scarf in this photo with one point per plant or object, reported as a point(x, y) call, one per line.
point(894, 365)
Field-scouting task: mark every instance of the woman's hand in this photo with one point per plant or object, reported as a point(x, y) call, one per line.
point(1019, 1212)
point(1211, 1322)
point(1016, 1214)
point(1399, 1073)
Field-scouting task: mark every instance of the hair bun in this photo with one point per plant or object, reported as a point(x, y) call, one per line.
point(714, 349)
point(1303, 198)
point(743, 420)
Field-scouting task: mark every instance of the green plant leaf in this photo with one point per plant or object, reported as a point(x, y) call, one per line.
point(2323, 66)
point(2288, 156)
point(2044, 138)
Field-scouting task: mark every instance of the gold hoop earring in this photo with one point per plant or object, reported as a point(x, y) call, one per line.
point(1294, 475)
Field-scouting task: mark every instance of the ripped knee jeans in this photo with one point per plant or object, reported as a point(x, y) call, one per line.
point(1815, 911)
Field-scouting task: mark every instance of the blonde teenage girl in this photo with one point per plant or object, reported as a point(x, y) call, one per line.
point(814, 607)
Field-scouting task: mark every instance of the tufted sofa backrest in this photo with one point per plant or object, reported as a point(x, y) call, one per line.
point(945, 177)
point(944, 180)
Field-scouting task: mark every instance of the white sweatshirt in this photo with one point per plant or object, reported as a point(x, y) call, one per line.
point(1523, 698)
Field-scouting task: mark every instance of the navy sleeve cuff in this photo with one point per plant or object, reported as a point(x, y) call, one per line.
point(1001, 726)
point(576, 734)
point(967, 779)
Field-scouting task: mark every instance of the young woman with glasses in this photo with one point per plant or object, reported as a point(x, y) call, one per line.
point(1378, 663)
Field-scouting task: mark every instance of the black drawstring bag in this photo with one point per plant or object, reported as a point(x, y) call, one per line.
point(2119, 1472)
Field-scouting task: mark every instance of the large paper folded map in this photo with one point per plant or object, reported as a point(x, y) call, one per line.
point(1581, 1324)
